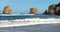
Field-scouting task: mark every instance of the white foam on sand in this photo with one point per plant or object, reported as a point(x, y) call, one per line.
point(25, 22)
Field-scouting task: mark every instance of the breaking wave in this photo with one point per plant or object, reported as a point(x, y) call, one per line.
point(26, 19)
point(31, 21)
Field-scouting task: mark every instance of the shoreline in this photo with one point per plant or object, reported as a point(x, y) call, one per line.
point(26, 23)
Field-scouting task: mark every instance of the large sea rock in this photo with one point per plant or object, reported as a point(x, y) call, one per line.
point(33, 11)
point(7, 10)
point(57, 11)
point(53, 9)
point(45, 12)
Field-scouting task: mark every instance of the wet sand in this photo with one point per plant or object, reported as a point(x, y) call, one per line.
point(33, 28)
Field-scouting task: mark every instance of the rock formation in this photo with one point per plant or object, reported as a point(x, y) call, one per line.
point(53, 9)
point(7, 10)
point(57, 11)
point(46, 12)
point(33, 11)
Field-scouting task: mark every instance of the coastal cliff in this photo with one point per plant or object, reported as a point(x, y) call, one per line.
point(53, 9)
point(7, 10)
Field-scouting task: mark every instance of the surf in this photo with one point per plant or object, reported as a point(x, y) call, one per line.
point(25, 22)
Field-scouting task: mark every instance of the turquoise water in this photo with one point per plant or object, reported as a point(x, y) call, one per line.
point(28, 16)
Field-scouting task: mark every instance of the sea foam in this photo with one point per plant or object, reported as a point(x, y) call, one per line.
point(25, 22)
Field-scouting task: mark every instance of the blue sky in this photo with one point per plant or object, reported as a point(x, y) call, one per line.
point(23, 6)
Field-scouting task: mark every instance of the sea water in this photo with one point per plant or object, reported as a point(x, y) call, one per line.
point(31, 28)
point(28, 18)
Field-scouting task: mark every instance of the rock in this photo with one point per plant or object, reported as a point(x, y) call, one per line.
point(57, 11)
point(53, 9)
point(46, 12)
point(33, 11)
point(51, 12)
point(58, 5)
point(7, 10)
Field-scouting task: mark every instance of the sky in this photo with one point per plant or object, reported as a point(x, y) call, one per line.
point(23, 6)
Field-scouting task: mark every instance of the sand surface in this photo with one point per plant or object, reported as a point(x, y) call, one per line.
point(33, 28)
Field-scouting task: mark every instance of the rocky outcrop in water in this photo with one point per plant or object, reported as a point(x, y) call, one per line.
point(53, 9)
point(7, 10)
point(46, 12)
point(33, 11)
point(57, 11)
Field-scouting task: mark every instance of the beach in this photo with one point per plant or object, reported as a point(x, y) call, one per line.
point(33, 28)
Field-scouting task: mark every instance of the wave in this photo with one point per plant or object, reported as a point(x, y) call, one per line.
point(25, 22)
point(15, 14)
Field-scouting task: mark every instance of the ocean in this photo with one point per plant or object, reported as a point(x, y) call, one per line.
point(8, 19)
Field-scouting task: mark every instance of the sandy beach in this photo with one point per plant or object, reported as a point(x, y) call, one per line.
point(33, 28)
